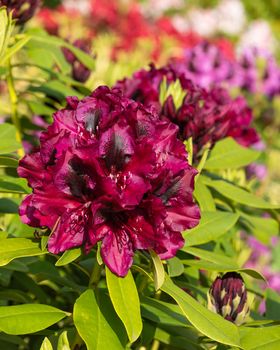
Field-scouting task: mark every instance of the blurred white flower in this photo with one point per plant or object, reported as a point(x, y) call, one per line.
point(180, 23)
point(231, 16)
point(203, 22)
point(155, 8)
point(259, 35)
point(83, 6)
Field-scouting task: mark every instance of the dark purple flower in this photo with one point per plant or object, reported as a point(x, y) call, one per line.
point(110, 170)
point(228, 298)
point(22, 10)
point(79, 71)
point(205, 115)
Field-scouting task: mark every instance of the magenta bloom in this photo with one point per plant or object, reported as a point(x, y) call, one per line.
point(23, 10)
point(205, 115)
point(109, 170)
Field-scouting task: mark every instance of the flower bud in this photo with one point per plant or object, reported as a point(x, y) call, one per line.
point(22, 10)
point(79, 71)
point(228, 298)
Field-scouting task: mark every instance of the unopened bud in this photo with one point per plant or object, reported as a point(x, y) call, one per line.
point(228, 298)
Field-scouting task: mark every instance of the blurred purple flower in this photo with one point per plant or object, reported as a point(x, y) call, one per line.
point(109, 170)
point(79, 71)
point(22, 10)
point(260, 72)
point(206, 65)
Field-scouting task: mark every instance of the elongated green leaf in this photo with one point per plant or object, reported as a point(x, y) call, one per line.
point(12, 248)
point(163, 313)
point(203, 196)
point(9, 184)
point(23, 40)
point(262, 338)
point(238, 194)
point(159, 273)
point(63, 343)
point(28, 318)
point(8, 142)
point(207, 322)
point(219, 267)
point(228, 154)
point(262, 228)
point(86, 59)
point(69, 256)
point(211, 227)
point(8, 162)
point(46, 345)
point(91, 324)
point(210, 256)
point(124, 296)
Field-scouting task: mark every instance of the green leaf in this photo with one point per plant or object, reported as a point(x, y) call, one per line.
point(262, 228)
point(238, 194)
point(211, 227)
point(69, 256)
point(86, 59)
point(63, 343)
point(228, 154)
point(8, 142)
point(163, 313)
point(92, 326)
point(8, 162)
point(28, 318)
point(175, 267)
point(207, 322)
point(22, 40)
point(211, 256)
point(46, 345)
point(12, 248)
point(10, 184)
point(203, 196)
point(261, 338)
point(125, 299)
point(272, 304)
point(158, 270)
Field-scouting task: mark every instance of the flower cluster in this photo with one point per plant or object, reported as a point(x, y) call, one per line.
point(206, 65)
point(110, 170)
point(228, 297)
point(260, 72)
point(79, 71)
point(255, 71)
point(205, 115)
point(22, 10)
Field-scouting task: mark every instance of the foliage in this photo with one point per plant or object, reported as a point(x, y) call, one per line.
point(71, 301)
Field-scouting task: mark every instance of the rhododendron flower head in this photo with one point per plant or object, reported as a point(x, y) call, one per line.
point(205, 115)
point(22, 10)
point(110, 170)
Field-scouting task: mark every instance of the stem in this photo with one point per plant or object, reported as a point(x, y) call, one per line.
point(203, 159)
point(14, 106)
point(95, 275)
point(78, 341)
point(155, 345)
